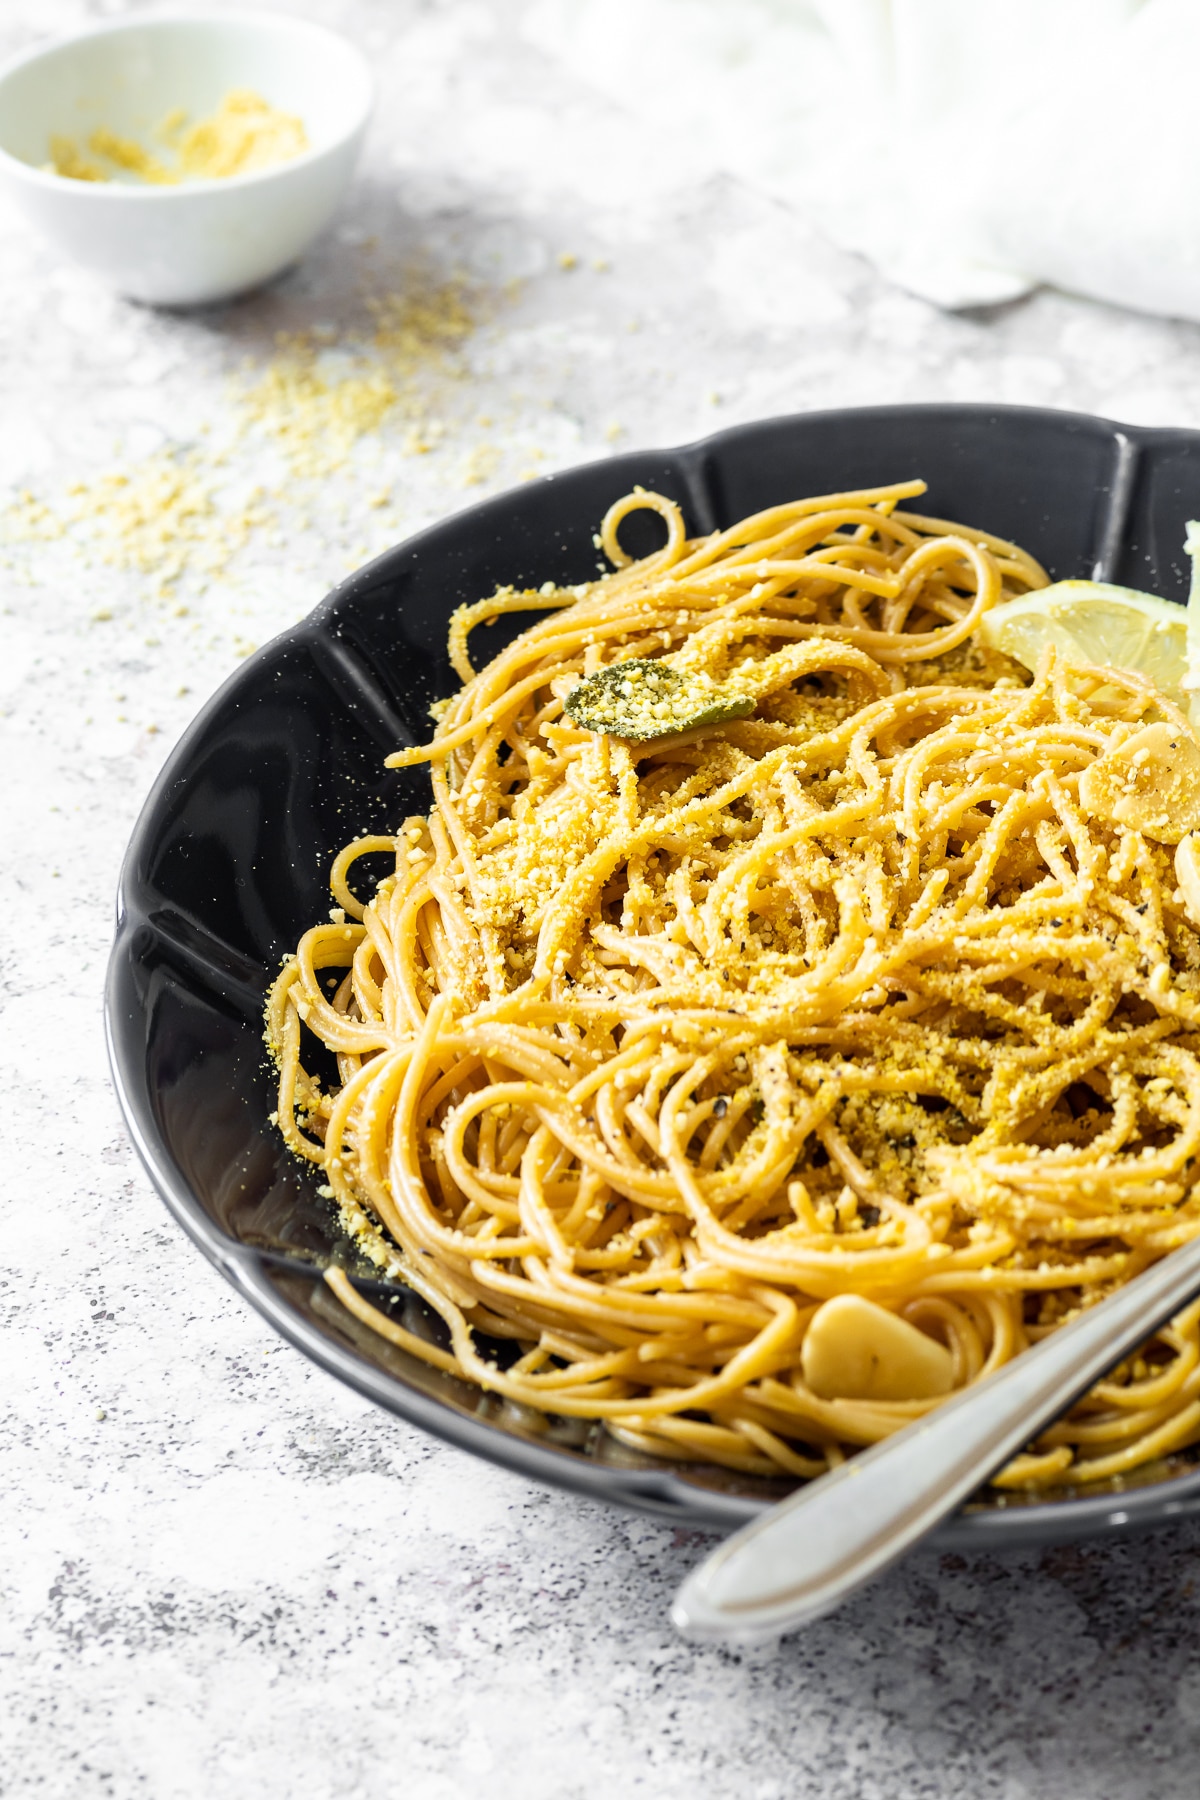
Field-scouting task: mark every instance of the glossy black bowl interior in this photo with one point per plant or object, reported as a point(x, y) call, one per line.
point(228, 865)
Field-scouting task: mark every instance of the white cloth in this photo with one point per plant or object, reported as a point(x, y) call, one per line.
point(971, 148)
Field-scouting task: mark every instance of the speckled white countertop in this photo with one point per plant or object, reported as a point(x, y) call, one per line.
point(223, 1575)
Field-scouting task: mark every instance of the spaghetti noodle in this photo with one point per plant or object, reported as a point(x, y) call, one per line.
point(651, 1053)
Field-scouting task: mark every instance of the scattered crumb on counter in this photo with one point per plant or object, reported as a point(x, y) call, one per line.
point(180, 512)
point(317, 408)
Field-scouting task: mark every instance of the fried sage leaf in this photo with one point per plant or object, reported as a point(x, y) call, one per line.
point(648, 699)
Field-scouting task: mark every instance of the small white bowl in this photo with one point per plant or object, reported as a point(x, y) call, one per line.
point(202, 240)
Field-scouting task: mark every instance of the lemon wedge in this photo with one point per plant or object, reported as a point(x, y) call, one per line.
point(1094, 622)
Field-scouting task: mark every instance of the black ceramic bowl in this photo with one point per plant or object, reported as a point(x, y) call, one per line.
point(228, 866)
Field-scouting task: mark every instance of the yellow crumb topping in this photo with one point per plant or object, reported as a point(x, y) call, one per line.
point(66, 158)
point(317, 404)
point(128, 154)
point(180, 512)
point(244, 134)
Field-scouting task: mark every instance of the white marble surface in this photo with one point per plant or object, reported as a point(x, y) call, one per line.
point(222, 1574)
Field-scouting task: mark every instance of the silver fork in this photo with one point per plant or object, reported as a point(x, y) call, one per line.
point(806, 1555)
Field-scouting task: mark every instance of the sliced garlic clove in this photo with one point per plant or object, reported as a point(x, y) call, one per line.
point(856, 1350)
point(1187, 874)
point(1151, 783)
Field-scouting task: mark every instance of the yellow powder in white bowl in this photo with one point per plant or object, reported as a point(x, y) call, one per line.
point(245, 133)
point(218, 197)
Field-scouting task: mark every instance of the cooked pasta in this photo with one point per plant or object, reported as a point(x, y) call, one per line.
point(757, 1084)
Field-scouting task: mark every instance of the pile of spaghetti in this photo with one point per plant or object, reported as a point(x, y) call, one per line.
point(647, 1050)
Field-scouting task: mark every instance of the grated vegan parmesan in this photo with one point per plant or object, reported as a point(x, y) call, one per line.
point(245, 133)
point(67, 159)
point(318, 399)
point(179, 512)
